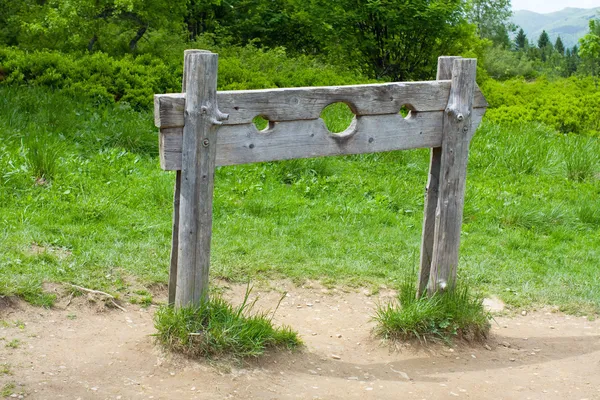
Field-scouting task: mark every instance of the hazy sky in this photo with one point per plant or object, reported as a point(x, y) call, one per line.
point(546, 6)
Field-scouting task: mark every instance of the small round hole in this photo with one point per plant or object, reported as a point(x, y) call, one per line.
point(337, 117)
point(407, 111)
point(261, 123)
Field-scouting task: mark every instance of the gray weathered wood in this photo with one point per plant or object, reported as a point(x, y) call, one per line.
point(240, 144)
point(197, 177)
point(444, 71)
point(453, 170)
point(307, 103)
point(175, 229)
point(174, 240)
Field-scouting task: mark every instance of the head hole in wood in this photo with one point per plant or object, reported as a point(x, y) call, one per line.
point(339, 119)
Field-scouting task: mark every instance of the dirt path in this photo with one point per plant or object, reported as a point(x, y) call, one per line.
point(79, 353)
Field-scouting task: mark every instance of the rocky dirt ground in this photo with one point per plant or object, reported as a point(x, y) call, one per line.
point(87, 351)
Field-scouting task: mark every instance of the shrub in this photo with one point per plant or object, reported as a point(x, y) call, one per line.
point(135, 80)
point(568, 105)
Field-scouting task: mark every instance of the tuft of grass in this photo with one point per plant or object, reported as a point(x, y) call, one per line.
point(13, 344)
point(589, 213)
point(42, 157)
point(143, 300)
point(217, 328)
point(580, 155)
point(7, 389)
point(5, 369)
point(454, 314)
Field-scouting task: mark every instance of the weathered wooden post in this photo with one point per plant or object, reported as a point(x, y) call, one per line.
point(201, 118)
point(456, 136)
point(444, 72)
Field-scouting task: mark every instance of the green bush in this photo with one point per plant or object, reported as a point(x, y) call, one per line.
point(500, 63)
point(135, 80)
point(568, 105)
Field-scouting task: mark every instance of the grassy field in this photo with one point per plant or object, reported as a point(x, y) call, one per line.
point(100, 217)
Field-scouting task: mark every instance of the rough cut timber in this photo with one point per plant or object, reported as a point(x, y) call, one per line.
point(298, 132)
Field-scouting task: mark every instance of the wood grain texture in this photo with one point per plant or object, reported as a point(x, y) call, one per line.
point(174, 240)
point(175, 227)
point(197, 177)
point(453, 171)
point(293, 104)
point(304, 139)
point(241, 144)
point(444, 71)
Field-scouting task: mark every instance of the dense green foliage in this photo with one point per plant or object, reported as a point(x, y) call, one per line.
point(135, 80)
point(103, 219)
point(491, 17)
point(590, 48)
point(568, 105)
point(390, 39)
point(216, 328)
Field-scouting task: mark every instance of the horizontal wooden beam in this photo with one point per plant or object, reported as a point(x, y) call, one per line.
point(292, 104)
point(241, 144)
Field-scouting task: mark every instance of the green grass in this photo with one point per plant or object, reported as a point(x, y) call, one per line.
point(103, 219)
point(445, 316)
point(7, 389)
point(13, 344)
point(5, 369)
point(216, 328)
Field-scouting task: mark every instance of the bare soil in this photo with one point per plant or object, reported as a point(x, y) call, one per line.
point(87, 351)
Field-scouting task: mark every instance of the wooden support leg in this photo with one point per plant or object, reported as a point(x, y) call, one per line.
point(174, 240)
point(453, 170)
point(197, 176)
point(444, 72)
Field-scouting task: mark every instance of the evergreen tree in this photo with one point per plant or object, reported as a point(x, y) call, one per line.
point(559, 46)
point(545, 46)
point(521, 39)
point(573, 60)
point(543, 41)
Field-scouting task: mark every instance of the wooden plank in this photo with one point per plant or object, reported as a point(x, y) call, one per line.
point(444, 71)
point(174, 240)
point(307, 103)
point(241, 144)
point(453, 171)
point(175, 228)
point(197, 177)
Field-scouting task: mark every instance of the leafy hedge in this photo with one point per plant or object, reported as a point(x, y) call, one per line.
point(568, 105)
point(136, 79)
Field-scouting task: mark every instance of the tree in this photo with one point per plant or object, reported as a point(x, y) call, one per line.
point(543, 40)
point(111, 25)
point(544, 45)
point(521, 40)
point(391, 39)
point(491, 17)
point(559, 46)
point(589, 48)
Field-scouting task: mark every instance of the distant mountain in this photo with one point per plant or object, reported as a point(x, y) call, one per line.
point(570, 24)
